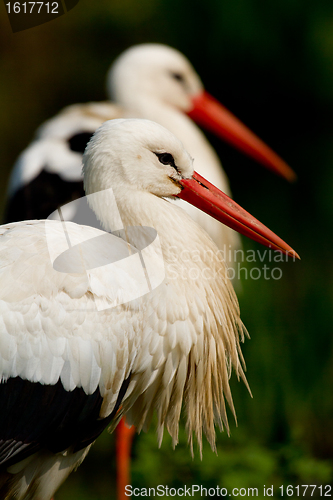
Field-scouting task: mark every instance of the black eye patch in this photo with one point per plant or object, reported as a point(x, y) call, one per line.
point(79, 141)
point(167, 159)
point(178, 76)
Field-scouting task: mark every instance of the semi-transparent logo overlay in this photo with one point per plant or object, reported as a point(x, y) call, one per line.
point(117, 266)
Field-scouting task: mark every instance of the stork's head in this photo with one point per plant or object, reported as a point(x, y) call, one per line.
point(154, 71)
point(140, 155)
point(150, 73)
point(136, 154)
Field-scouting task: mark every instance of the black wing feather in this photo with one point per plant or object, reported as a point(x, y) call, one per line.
point(42, 196)
point(35, 416)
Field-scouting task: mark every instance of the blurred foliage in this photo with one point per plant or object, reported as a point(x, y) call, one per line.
point(271, 63)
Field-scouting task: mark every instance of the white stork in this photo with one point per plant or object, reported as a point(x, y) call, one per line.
point(78, 349)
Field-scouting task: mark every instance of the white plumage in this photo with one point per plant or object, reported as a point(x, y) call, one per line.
point(61, 352)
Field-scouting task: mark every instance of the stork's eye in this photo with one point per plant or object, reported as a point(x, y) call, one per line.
point(166, 159)
point(178, 76)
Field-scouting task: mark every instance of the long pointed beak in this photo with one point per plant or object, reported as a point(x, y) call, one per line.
point(205, 196)
point(213, 116)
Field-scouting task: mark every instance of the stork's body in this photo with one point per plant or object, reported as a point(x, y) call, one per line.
point(56, 347)
point(69, 366)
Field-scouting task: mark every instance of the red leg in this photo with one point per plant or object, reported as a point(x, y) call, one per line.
point(124, 438)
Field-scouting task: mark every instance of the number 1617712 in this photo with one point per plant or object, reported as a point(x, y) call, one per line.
point(307, 490)
point(32, 7)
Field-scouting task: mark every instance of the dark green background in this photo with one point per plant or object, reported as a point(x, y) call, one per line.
point(271, 63)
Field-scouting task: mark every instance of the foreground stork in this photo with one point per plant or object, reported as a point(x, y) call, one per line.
point(84, 339)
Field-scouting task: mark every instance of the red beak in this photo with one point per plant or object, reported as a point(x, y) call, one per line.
point(213, 116)
point(205, 196)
